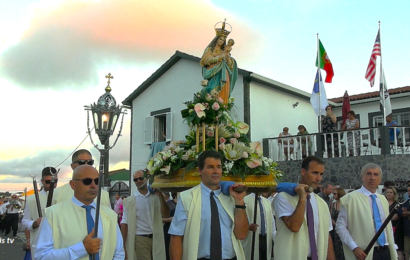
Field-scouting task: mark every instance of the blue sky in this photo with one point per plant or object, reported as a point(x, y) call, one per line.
point(54, 56)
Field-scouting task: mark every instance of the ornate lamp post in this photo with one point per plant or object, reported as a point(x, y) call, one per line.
point(105, 114)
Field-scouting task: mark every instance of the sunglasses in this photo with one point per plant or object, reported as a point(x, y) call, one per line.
point(87, 181)
point(82, 162)
point(140, 178)
point(49, 181)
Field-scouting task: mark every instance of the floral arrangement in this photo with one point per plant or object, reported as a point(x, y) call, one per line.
point(240, 156)
point(206, 108)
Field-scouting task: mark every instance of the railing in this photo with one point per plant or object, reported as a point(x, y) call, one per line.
point(358, 142)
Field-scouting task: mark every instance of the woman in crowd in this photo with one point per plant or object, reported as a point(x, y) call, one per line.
point(352, 123)
point(305, 141)
point(397, 223)
point(334, 213)
point(121, 210)
point(329, 125)
point(286, 142)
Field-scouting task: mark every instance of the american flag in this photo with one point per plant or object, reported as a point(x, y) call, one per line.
point(371, 68)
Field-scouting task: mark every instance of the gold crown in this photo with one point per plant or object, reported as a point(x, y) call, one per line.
point(221, 31)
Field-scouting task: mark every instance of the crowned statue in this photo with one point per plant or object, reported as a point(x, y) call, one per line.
point(219, 69)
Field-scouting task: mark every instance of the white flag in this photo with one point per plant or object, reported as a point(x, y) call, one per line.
point(384, 94)
point(319, 93)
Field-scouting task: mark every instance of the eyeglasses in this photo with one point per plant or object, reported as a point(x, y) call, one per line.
point(285, 130)
point(49, 181)
point(82, 162)
point(140, 178)
point(87, 181)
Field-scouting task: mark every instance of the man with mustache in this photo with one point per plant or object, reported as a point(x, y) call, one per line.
point(362, 212)
point(141, 224)
point(303, 221)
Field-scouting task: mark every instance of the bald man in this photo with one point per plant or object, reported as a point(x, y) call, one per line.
point(67, 228)
point(141, 224)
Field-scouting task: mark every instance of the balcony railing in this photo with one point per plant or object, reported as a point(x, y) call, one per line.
point(363, 141)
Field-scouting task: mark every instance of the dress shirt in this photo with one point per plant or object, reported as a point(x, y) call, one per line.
point(143, 214)
point(342, 221)
point(179, 221)
point(44, 249)
point(3, 208)
point(11, 209)
point(284, 209)
point(117, 205)
point(264, 212)
point(27, 221)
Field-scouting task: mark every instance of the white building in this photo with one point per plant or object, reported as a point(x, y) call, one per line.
point(367, 107)
point(264, 104)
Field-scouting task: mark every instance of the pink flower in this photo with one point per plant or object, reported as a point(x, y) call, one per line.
point(222, 146)
point(210, 133)
point(220, 100)
point(222, 140)
point(215, 106)
point(244, 155)
point(236, 135)
point(233, 140)
point(199, 109)
point(254, 161)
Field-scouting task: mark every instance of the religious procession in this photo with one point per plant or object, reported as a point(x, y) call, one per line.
point(212, 196)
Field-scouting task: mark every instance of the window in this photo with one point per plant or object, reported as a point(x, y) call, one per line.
point(158, 127)
point(403, 119)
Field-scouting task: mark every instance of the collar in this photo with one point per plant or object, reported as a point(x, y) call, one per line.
point(138, 193)
point(366, 191)
point(208, 190)
point(80, 204)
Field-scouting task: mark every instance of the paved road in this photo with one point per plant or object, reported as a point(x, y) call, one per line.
point(11, 247)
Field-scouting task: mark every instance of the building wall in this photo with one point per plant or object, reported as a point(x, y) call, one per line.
point(363, 109)
point(273, 109)
point(345, 171)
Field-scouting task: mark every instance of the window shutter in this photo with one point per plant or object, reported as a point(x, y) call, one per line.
point(148, 130)
point(169, 127)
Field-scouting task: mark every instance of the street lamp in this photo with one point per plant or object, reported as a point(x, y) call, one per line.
point(105, 114)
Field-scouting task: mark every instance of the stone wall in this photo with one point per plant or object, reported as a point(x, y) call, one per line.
point(345, 171)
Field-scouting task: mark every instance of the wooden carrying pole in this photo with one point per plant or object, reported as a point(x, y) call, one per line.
point(203, 136)
point(197, 138)
point(216, 137)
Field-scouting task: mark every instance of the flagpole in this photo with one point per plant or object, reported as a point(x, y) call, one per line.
point(318, 68)
point(382, 89)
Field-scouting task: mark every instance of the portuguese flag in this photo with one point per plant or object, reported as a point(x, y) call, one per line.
point(325, 63)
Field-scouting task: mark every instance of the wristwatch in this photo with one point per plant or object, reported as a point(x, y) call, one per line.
point(240, 206)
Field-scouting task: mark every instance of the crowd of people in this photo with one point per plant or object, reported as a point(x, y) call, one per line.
point(331, 138)
point(312, 220)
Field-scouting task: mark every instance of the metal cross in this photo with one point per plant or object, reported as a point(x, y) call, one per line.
point(109, 77)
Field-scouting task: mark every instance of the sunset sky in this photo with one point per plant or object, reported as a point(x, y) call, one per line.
point(54, 56)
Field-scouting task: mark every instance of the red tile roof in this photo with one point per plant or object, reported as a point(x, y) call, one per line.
point(371, 94)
